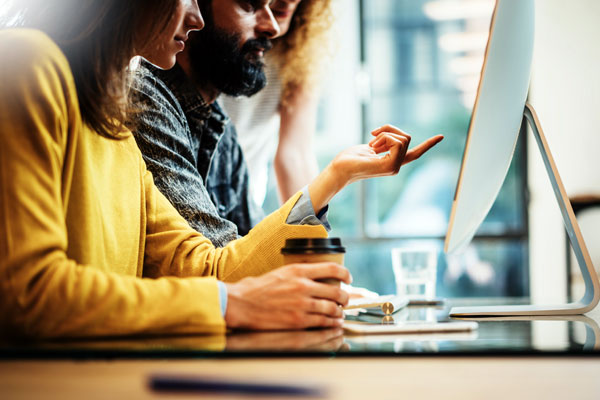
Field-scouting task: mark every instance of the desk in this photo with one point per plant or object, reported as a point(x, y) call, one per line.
point(520, 359)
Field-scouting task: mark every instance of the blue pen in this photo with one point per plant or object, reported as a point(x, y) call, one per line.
point(199, 384)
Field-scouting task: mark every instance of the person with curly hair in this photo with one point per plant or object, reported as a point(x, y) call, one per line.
point(278, 123)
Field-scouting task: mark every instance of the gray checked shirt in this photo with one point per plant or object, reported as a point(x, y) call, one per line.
point(192, 151)
point(191, 148)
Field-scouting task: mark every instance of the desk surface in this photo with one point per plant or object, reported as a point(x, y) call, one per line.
point(540, 358)
point(577, 335)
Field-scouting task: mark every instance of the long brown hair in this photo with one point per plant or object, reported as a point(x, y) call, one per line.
point(99, 38)
point(303, 51)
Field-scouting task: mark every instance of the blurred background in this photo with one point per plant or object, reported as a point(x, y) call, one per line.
point(416, 64)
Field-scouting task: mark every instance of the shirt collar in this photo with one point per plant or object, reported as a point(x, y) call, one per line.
point(188, 96)
point(183, 88)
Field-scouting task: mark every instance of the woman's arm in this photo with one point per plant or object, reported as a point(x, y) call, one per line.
point(43, 291)
point(295, 161)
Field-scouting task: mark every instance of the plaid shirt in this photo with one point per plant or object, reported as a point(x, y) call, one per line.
point(191, 148)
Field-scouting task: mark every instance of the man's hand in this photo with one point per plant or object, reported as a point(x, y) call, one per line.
point(288, 298)
point(386, 138)
point(367, 161)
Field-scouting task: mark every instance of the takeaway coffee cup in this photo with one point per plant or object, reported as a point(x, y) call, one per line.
point(314, 250)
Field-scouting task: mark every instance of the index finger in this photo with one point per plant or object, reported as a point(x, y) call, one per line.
point(421, 149)
point(324, 270)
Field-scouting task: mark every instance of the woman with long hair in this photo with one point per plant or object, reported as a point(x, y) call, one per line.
point(88, 245)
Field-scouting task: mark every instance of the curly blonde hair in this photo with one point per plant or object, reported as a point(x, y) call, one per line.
point(304, 50)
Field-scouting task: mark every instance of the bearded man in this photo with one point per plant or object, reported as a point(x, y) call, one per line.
point(187, 141)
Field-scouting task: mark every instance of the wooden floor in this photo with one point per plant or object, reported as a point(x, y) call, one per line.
point(361, 378)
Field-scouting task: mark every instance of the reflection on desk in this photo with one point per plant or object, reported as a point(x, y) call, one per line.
point(542, 325)
point(320, 340)
point(575, 335)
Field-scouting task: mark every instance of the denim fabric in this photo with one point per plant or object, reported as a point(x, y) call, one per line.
point(192, 151)
point(303, 213)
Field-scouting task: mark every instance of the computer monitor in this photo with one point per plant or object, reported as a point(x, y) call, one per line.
point(493, 132)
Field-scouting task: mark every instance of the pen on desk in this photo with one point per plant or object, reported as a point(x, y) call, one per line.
point(203, 384)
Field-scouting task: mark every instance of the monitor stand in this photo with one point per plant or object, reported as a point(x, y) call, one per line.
point(592, 287)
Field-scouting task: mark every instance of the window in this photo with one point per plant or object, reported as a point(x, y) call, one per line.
point(405, 63)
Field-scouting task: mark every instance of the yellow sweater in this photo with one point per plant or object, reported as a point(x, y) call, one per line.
point(88, 246)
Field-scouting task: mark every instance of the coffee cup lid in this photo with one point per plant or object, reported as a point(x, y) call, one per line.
point(313, 246)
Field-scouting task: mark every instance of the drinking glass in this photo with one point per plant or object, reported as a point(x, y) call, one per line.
point(415, 271)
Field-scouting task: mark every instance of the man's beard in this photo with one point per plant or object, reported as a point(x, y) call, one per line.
point(217, 60)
